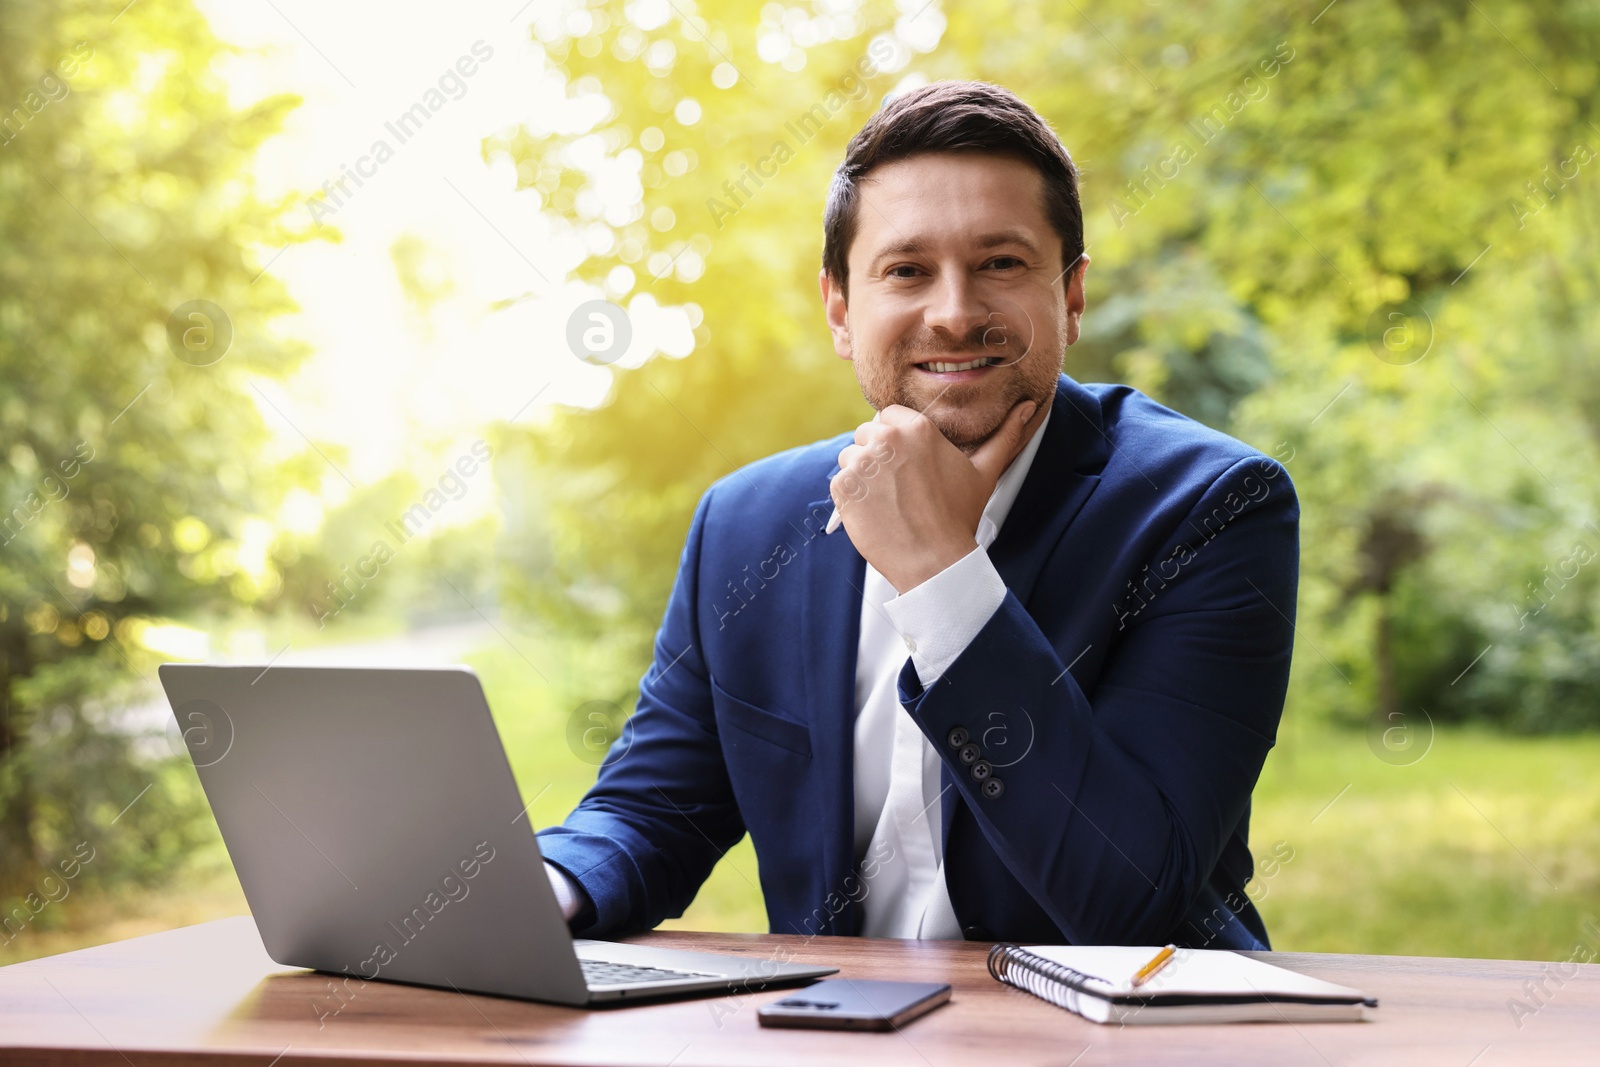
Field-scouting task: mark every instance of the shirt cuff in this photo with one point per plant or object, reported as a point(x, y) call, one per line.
point(569, 894)
point(939, 618)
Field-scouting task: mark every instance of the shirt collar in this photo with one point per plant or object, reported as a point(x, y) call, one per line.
point(1009, 485)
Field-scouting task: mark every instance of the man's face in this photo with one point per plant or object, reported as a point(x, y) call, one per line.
point(954, 261)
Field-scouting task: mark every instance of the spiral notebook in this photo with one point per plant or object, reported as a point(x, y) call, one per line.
point(1196, 986)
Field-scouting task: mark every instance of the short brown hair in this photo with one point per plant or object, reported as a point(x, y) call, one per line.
point(951, 116)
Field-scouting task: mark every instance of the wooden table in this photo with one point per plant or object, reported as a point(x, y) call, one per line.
point(208, 994)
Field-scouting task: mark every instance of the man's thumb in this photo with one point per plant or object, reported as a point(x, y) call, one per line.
point(995, 455)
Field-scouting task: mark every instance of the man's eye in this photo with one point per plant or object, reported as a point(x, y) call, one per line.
point(1000, 263)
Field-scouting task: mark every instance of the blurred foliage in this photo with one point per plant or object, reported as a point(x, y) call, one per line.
point(367, 559)
point(132, 488)
point(1360, 239)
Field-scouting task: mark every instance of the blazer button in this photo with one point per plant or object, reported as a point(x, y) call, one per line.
point(977, 932)
point(969, 754)
point(992, 788)
point(982, 770)
point(958, 736)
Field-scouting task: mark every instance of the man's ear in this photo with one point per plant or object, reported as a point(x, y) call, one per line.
point(1075, 301)
point(838, 314)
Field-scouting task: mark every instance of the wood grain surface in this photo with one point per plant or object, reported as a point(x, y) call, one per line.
point(208, 994)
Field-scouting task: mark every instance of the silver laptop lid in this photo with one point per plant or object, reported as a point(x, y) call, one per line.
point(375, 825)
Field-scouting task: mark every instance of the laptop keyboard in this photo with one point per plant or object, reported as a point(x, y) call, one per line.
point(604, 972)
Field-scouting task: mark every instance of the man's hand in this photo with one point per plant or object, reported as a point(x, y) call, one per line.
point(910, 500)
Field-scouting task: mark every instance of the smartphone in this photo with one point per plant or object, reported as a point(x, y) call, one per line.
point(854, 1004)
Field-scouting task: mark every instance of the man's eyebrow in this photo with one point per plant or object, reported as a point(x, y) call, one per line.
point(917, 245)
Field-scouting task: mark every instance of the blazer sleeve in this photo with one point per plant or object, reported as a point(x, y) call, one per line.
point(661, 811)
point(1119, 811)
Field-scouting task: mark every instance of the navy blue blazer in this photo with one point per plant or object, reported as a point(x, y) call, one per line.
point(1124, 697)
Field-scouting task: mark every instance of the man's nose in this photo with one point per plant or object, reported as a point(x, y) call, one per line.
point(956, 308)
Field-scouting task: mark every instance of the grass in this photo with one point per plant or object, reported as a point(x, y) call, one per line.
point(1487, 846)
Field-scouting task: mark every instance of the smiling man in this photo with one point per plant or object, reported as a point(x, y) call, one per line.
point(1024, 687)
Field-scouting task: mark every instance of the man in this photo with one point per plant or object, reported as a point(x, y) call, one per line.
point(1025, 691)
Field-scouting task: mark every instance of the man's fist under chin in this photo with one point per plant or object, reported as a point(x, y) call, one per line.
point(910, 500)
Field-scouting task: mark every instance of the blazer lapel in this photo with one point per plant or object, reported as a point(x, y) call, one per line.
point(1065, 471)
point(830, 633)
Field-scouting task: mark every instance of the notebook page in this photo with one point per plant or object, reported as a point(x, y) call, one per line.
point(1191, 972)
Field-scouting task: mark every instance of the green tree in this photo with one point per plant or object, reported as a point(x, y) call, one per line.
point(133, 479)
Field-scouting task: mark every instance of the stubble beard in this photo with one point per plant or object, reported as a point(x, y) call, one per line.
point(961, 425)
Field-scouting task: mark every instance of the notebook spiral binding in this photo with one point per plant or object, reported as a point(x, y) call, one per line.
point(1045, 979)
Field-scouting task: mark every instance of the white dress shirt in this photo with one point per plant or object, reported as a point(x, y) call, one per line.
point(898, 819)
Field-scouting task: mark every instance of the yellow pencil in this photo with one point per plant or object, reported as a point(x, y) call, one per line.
point(1149, 970)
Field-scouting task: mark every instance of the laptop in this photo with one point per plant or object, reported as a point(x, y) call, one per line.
point(378, 833)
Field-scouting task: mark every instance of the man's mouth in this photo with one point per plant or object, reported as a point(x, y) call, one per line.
point(947, 367)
